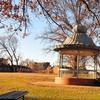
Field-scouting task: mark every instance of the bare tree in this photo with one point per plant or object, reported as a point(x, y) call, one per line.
point(27, 62)
point(9, 45)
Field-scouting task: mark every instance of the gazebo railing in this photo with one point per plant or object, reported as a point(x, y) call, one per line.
point(81, 73)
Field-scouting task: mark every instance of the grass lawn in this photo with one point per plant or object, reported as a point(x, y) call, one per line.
point(42, 87)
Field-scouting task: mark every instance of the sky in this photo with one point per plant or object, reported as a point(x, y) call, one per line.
point(32, 48)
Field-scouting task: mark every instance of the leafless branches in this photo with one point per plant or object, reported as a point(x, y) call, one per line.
point(9, 48)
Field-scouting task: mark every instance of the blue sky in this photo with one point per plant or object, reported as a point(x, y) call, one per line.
point(32, 48)
point(29, 47)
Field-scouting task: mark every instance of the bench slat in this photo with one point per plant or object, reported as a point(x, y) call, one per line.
point(14, 95)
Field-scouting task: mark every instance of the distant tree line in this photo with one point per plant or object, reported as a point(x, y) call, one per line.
point(25, 66)
point(14, 68)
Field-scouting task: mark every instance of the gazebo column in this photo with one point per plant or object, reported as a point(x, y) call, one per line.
point(60, 64)
point(77, 65)
point(95, 63)
point(95, 67)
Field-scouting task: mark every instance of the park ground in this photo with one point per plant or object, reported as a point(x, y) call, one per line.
point(42, 87)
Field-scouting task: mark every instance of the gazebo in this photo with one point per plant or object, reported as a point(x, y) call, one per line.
point(78, 45)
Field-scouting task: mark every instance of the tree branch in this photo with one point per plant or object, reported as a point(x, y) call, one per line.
point(90, 10)
point(51, 17)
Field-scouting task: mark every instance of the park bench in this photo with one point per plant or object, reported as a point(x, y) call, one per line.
point(13, 95)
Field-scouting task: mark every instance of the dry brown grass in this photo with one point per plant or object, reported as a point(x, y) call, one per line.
point(42, 87)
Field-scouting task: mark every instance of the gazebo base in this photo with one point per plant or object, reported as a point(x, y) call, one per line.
point(76, 81)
